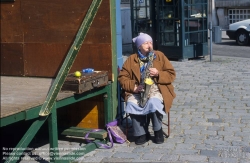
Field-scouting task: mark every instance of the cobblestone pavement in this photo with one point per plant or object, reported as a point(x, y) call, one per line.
point(210, 118)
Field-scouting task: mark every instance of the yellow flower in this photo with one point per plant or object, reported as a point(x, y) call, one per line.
point(149, 81)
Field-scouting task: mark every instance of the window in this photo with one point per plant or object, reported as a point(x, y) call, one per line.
point(195, 18)
point(236, 15)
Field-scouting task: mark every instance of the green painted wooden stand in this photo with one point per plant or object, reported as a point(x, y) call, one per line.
point(52, 125)
point(48, 109)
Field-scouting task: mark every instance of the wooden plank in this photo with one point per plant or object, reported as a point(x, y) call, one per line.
point(81, 132)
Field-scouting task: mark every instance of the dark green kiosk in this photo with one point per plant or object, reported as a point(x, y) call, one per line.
point(179, 27)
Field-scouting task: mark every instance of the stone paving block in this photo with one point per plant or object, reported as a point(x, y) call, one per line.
point(105, 160)
point(240, 143)
point(195, 127)
point(103, 154)
point(89, 159)
point(215, 120)
point(198, 137)
point(217, 142)
point(220, 160)
point(198, 158)
point(244, 131)
point(221, 124)
point(236, 129)
point(185, 152)
point(209, 153)
point(214, 128)
point(192, 132)
point(163, 151)
point(184, 126)
point(247, 121)
point(184, 146)
point(210, 115)
point(205, 124)
point(127, 155)
point(229, 133)
point(236, 111)
point(201, 119)
point(171, 158)
point(244, 160)
point(237, 124)
point(193, 141)
point(141, 149)
point(232, 138)
point(151, 156)
point(124, 149)
point(208, 132)
point(204, 147)
point(246, 138)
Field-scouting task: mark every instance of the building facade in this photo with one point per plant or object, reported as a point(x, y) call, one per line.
point(222, 12)
point(230, 11)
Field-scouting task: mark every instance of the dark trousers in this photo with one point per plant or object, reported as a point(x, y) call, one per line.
point(140, 123)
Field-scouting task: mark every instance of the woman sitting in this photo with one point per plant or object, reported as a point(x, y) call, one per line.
point(146, 77)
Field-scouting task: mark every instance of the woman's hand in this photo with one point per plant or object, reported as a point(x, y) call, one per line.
point(138, 88)
point(153, 72)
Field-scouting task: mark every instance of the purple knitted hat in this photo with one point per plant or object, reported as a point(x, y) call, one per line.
point(143, 37)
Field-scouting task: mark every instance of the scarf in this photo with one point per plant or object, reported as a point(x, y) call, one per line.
point(146, 62)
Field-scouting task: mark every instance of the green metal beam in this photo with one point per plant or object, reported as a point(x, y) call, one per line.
point(114, 57)
point(12, 119)
point(53, 135)
point(70, 58)
point(26, 139)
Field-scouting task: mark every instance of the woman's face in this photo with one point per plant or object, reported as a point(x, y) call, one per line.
point(146, 47)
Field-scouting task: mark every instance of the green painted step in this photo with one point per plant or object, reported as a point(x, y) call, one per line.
point(81, 132)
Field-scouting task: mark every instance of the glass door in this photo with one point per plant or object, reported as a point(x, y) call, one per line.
point(141, 15)
point(168, 23)
point(195, 20)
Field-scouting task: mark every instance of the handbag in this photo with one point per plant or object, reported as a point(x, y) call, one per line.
point(115, 134)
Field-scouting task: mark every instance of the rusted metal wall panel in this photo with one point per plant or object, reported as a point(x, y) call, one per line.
point(11, 22)
point(12, 59)
point(41, 59)
point(47, 30)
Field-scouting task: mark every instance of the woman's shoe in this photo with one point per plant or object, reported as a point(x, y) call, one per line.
point(159, 139)
point(140, 139)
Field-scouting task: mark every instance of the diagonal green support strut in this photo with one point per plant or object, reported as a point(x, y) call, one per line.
point(70, 58)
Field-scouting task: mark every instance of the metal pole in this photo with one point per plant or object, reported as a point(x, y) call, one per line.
point(211, 30)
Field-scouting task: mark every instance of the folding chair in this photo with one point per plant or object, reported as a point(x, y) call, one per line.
point(121, 100)
point(128, 127)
